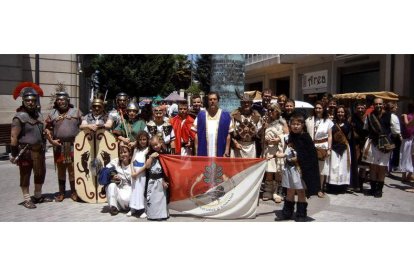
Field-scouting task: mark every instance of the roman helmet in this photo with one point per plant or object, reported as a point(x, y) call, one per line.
point(28, 90)
point(29, 93)
point(132, 106)
point(121, 96)
point(62, 95)
point(97, 102)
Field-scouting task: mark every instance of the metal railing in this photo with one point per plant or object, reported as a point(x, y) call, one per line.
point(256, 58)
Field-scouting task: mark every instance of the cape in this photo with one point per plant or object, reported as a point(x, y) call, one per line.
point(308, 161)
point(183, 132)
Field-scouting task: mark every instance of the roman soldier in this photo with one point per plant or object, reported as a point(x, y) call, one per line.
point(62, 126)
point(28, 143)
point(117, 115)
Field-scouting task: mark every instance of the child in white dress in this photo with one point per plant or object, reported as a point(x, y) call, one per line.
point(156, 196)
point(137, 203)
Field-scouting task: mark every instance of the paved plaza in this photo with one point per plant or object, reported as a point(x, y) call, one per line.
point(396, 205)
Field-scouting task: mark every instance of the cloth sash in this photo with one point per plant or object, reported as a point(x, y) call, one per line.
point(340, 143)
point(223, 131)
point(379, 126)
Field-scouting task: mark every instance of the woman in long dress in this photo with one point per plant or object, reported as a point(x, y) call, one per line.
point(339, 176)
point(319, 128)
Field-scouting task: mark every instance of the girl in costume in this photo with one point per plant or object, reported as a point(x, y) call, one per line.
point(137, 202)
point(156, 184)
point(301, 173)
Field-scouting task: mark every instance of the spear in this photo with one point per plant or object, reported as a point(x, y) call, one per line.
point(123, 122)
point(106, 93)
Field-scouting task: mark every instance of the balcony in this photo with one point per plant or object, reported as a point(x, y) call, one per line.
point(256, 61)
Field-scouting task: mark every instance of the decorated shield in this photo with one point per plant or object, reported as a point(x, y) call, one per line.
point(93, 150)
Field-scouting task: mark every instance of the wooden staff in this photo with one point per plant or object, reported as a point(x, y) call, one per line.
point(124, 124)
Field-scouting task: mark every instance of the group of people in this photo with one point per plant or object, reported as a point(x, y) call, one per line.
point(304, 155)
point(29, 131)
point(359, 145)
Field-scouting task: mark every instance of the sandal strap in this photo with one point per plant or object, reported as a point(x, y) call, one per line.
point(29, 204)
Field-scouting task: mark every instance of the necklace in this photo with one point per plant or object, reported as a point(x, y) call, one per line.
point(126, 177)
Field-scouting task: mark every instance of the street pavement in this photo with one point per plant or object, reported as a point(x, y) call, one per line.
point(396, 205)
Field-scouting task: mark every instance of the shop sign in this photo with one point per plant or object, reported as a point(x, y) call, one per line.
point(315, 80)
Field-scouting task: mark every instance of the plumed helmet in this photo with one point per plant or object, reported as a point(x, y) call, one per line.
point(29, 93)
point(132, 106)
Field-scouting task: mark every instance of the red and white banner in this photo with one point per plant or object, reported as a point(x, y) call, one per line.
point(214, 187)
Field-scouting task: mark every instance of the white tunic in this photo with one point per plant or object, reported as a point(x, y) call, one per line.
point(156, 195)
point(138, 185)
point(371, 154)
point(119, 195)
point(339, 170)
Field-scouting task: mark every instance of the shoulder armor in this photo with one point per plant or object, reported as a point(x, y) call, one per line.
point(25, 118)
point(73, 113)
point(22, 116)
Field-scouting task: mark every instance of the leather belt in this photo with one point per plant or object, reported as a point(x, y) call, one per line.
point(320, 141)
point(155, 175)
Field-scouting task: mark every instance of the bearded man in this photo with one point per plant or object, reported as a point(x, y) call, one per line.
point(62, 126)
point(378, 148)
